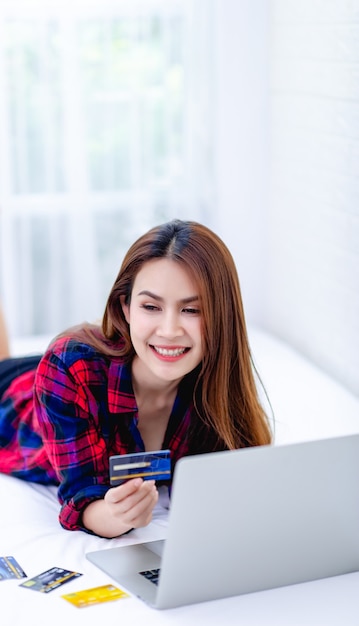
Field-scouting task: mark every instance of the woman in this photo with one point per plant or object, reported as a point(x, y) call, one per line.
point(169, 368)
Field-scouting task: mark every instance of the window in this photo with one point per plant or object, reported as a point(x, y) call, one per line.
point(105, 119)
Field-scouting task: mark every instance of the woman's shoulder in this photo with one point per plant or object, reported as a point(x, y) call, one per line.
point(79, 345)
point(66, 346)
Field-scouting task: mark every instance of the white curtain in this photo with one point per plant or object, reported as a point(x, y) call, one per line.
point(106, 127)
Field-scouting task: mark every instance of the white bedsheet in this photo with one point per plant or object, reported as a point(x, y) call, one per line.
point(307, 405)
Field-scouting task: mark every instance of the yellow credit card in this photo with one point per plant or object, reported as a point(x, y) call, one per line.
point(95, 595)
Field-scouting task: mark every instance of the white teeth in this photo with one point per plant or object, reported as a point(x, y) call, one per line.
point(168, 352)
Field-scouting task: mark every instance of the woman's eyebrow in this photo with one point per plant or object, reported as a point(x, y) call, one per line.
point(154, 296)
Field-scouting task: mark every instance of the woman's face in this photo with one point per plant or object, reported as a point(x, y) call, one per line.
point(165, 321)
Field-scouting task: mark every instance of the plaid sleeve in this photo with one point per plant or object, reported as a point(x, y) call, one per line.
point(67, 413)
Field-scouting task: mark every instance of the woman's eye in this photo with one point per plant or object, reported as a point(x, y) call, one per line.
point(191, 311)
point(150, 307)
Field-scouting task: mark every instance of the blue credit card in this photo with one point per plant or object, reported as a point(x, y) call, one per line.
point(147, 465)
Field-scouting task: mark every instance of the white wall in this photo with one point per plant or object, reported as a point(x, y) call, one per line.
point(313, 286)
point(288, 170)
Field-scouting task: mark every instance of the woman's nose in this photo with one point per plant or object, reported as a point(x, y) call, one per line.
point(170, 325)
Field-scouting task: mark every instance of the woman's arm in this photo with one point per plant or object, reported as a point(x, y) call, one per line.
point(68, 385)
point(4, 340)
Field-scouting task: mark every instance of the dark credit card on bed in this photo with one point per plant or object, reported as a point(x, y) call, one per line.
point(147, 465)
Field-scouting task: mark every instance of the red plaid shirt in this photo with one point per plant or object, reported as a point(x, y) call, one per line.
point(60, 424)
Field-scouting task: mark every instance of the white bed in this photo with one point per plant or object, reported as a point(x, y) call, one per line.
point(307, 405)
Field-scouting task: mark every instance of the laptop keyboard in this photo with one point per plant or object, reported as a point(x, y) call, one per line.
point(152, 575)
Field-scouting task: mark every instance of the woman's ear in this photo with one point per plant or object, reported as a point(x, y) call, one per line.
point(125, 309)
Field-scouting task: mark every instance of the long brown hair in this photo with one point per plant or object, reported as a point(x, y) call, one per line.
point(225, 397)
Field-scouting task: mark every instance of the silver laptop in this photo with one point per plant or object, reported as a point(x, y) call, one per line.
point(249, 520)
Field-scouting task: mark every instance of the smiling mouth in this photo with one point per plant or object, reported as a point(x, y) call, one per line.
point(169, 351)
